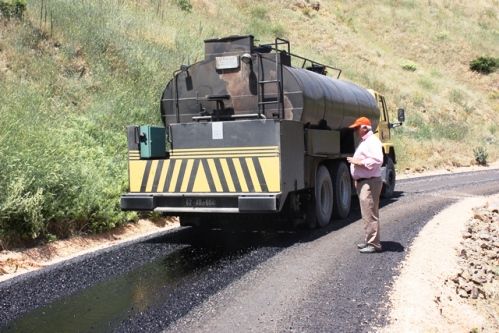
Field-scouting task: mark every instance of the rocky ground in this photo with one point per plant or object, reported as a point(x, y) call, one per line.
point(477, 276)
point(449, 280)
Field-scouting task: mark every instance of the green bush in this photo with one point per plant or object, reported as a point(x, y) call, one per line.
point(21, 215)
point(409, 67)
point(261, 25)
point(12, 8)
point(64, 152)
point(185, 5)
point(481, 155)
point(484, 65)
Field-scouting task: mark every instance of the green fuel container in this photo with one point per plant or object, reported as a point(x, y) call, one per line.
point(152, 141)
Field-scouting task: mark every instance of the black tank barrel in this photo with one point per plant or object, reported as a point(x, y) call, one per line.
point(249, 83)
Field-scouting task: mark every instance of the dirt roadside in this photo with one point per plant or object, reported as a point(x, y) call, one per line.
point(18, 261)
point(455, 251)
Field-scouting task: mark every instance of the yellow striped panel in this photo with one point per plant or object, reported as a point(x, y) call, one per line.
point(136, 169)
point(133, 155)
point(233, 149)
point(225, 152)
point(263, 173)
point(271, 172)
point(227, 155)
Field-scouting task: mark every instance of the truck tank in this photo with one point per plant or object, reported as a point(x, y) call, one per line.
point(238, 79)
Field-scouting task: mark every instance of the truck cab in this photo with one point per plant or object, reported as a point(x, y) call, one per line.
point(384, 134)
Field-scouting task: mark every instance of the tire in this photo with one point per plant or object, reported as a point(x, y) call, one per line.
point(323, 196)
point(390, 177)
point(342, 190)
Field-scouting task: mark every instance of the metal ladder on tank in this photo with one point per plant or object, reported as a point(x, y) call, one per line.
point(279, 99)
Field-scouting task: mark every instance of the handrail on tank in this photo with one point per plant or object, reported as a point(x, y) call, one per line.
point(232, 116)
point(177, 110)
point(183, 68)
point(280, 41)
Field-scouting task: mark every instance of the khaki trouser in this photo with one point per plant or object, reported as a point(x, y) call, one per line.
point(369, 191)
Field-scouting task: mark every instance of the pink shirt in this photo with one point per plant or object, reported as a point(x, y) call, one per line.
point(370, 152)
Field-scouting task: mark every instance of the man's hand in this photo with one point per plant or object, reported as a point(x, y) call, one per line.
point(353, 160)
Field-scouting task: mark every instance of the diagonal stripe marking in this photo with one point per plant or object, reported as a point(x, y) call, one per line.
point(159, 170)
point(246, 174)
point(186, 177)
point(254, 177)
point(259, 173)
point(221, 174)
point(229, 176)
point(193, 175)
point(145, 177)
point(214, 174)
point(209, 176)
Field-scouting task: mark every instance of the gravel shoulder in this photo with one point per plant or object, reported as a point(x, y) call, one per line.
point(424, 297)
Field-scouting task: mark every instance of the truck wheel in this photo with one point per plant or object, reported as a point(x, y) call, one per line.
point(342, 187)
point(389, 181)
point(323, 196)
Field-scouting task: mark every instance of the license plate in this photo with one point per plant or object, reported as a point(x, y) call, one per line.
point(200, 202)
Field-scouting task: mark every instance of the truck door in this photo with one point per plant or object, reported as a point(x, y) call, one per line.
point(383, 129)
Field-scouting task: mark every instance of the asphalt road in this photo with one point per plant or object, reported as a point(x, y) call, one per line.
point(249, 280)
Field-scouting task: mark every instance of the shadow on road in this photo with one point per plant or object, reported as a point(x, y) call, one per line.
point(394, 198)
point(392, 247)
point(247, 232)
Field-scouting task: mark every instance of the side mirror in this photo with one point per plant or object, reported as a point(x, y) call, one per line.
point(400, 118)
point(401, 115)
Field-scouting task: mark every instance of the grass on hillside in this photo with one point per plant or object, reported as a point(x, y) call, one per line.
point(74, 74)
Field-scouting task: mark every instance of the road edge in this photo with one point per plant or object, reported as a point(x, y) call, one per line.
point(414, 297)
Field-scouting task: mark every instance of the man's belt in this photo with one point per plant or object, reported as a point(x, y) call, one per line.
point(362, 179)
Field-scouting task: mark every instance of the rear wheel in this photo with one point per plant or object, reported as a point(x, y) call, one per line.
point(389, 181)
point(323, 196)
point(342, 190)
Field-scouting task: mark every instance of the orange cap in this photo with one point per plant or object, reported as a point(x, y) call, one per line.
point(361, 121)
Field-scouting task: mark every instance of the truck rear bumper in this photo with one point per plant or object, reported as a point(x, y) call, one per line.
point(201, 203)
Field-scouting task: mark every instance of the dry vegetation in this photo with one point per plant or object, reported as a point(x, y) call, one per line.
point(451, 110)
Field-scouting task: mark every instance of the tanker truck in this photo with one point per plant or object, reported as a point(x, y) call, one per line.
point(246, 133)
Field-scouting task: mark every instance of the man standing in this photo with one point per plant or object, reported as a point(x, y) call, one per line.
point(365, 167)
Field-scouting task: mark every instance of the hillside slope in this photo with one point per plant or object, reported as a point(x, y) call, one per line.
point(73, 74)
